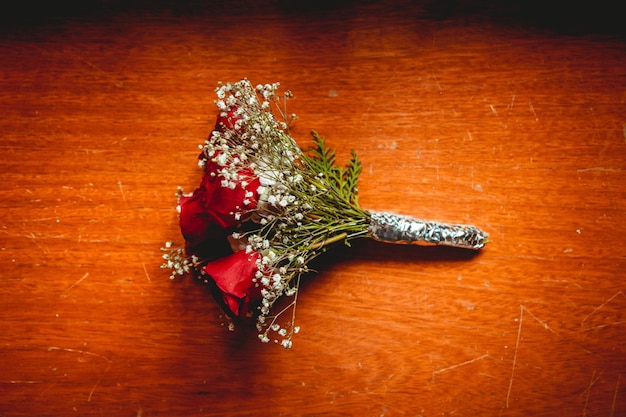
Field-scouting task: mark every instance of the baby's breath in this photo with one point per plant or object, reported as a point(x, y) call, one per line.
point(176, 261)
point(305, 202)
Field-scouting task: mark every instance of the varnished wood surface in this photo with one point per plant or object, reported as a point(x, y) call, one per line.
point(462, 113)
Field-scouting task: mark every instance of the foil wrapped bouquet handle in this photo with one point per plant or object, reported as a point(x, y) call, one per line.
point(265, 208)
point(394, 228)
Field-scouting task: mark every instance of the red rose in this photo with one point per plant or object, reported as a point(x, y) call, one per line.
point(211, 210)
point(223, 123)
point(227, 122)
point(234, 280)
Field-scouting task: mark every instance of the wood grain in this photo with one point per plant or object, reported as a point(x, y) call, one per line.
point(463, 113)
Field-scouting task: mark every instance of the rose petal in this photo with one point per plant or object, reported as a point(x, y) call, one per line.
point(234, 277)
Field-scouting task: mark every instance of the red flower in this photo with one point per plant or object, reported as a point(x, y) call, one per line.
point(211, 210)
point(234, 280)
point(223, 123)
point(227, 122)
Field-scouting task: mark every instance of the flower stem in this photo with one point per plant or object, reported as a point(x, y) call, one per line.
point(330, 240)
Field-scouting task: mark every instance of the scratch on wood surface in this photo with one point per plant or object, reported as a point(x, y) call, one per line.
point(512, 102)
point(532, 109)
point(436, 81)
point(145, 270)
point(442, 370)
point(601, 326)
point(517, 342)
point(21, 382)
point(619, 378)
point(519, 334)
point(93, 389)
point(600, 307)
point(544, 324)
point(119, 183)
point(603, 169)
point(117, 82)
point(36, 241)
point(86, 352)
point(82, 352)
point(77, 282)
point(587, 391)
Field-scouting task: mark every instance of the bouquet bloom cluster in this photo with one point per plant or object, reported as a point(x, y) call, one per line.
point(265, 208)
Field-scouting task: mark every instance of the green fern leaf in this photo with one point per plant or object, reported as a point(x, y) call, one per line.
point(341, 181)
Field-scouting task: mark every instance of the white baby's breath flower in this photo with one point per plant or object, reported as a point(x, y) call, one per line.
point(221, 159)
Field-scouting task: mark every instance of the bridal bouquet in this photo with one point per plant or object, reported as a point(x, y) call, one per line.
point(265, 208)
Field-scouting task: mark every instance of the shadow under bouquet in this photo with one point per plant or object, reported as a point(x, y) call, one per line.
point(265, 208)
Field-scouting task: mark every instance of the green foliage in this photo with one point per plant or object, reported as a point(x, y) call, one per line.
point(342, 181)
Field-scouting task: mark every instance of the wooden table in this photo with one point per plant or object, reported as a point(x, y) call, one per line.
point(461, 113)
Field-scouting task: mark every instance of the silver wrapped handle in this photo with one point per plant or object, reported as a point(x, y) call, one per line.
point(394, 228)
